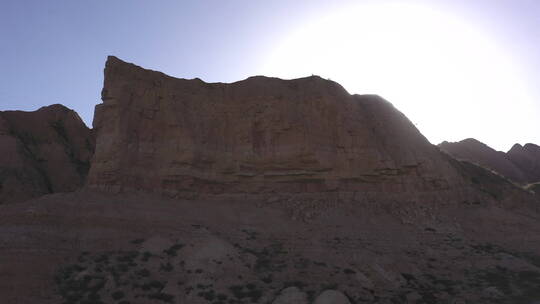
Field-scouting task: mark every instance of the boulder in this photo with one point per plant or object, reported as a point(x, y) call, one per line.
point(291, 295)
point(331, 296)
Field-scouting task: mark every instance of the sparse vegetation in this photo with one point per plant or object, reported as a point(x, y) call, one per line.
point(242, 292)
point(135, 275)
point(167, 298)
point(167, 267)
point(137, 241)
point(117, 295)
point(173, 250)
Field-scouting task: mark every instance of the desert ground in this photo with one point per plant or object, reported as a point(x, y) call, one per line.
point(92, 247)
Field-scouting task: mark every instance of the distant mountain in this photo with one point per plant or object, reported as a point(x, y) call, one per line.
point(44, 151)
point(527, 158)
point(521, 164)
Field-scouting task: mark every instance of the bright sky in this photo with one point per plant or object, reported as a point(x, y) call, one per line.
point(456, 68)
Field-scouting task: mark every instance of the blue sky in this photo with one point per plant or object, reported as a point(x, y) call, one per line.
point(54, 51)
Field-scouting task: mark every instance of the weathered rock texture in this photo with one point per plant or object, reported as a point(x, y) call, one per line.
point(521, 164)
point(44, 151)
point(183, 138)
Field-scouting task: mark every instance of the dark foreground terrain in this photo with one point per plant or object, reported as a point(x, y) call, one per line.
point(90, 247)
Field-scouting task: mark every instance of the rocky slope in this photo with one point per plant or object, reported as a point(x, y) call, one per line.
point(521, 164)
point(89, 247)
point(186, 138)
point(44, 151)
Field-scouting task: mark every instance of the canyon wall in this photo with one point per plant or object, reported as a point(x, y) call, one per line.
point(183, 138)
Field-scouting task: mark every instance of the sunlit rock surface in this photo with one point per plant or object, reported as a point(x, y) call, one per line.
point(184, 138)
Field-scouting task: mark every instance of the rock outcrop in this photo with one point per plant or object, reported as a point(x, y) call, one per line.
point(331, 297)
point(44, 151)
point(184, 138)
point(291, 295)
point(521, 164)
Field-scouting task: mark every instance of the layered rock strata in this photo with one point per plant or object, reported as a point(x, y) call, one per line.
point(184, 138)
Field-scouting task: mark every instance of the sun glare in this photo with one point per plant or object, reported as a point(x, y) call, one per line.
point(449, 78)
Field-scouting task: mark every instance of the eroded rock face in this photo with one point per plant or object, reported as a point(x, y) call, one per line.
point(44, 151)
point(185, 137)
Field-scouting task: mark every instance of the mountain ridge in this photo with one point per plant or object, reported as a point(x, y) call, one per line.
point(520, 164)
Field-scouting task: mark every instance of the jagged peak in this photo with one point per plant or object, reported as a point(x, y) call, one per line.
point(515, 148)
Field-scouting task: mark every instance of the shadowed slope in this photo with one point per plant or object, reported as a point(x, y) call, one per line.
point(44, 151)
point(472, 150)
point(521, 164)
point(527, 158)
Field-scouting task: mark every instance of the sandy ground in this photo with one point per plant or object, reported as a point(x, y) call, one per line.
point(90, 247)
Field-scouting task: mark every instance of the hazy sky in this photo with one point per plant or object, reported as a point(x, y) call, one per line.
point(54, 51)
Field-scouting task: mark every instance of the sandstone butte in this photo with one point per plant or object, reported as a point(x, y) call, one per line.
point(44, 151)
point(187, 138)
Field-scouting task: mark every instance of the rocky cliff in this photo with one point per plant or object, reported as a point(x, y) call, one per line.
point(521, 164)
point(44, 151)
point(184, 137)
